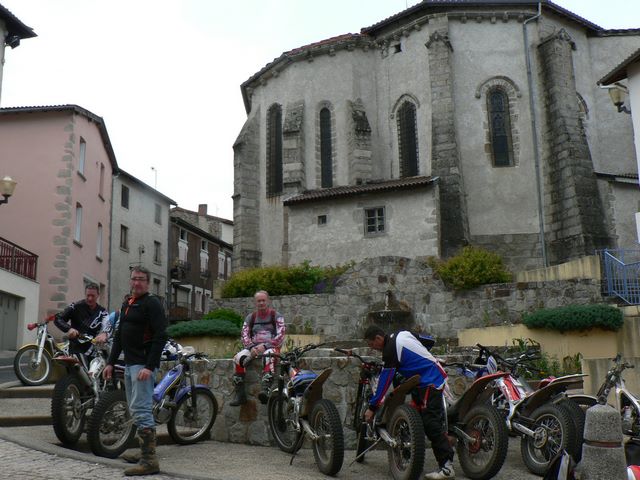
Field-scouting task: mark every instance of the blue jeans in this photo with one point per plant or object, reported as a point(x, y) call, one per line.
point(139, 396)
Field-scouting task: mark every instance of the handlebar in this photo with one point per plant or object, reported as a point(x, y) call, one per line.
point(292, 355)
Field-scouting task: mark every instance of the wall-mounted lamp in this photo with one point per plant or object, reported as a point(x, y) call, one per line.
point(618, 94)
point(7, 185)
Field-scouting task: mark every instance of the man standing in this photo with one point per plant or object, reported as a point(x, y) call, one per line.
point(403, 352)
point(84, 317)
point(262, 332)
point(141, 335)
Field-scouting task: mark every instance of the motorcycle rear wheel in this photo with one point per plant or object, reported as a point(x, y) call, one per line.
point(406, 461)
point(110, 428)
point(282, 426)
point(25, 368)
point(67, 410)
point(185, 428)
point(554, 432)
point(484, 458)
point(328, 449)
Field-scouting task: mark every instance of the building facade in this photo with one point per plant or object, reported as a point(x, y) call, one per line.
point(495, 102)
point(140, 225)
point(200, 263)
point(62, 159)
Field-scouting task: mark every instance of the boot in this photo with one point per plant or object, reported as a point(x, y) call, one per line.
point(240, 392)
point(445, 472)
point(133, 457)
point(267, 380)
point(148, 463)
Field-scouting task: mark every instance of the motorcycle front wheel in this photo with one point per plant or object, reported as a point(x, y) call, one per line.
point(282, 423)
point(553, 432)
point(67, 410)
point(27, 370)
point(328, 449)
point(406, 460)
point(188, 425)
point(483, 458)
point(110, 428)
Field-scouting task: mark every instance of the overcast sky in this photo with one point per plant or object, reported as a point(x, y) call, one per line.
point(165, 75)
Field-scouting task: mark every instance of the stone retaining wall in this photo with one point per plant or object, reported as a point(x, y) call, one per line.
point(361, 290)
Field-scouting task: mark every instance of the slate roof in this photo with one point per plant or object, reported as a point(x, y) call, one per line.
point(370, 187)
point(15, 25)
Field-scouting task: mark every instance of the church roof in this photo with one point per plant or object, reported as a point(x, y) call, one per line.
point(370, 187)
point(15, 25)
point(620, 72)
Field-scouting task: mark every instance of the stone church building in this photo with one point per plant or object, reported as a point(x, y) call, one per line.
point(450, 123)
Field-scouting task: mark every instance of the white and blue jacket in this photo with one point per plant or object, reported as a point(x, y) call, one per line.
point(404, 353)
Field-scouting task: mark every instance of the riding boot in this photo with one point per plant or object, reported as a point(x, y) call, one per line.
point(240, 392)
point(148, 463)
point(267, 380)
point(134, 456)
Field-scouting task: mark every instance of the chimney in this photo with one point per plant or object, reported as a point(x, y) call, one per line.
point(202, 209)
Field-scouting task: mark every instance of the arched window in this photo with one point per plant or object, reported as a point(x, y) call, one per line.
point(326, 152)
point(274, 150)
point(408, 139)
point(500, 127)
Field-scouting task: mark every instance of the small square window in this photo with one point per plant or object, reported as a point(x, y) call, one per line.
point(374, 221)
point(397, 48)
point(322, 220)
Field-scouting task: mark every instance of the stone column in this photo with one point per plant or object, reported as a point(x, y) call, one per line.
point(359, 144)
point(246, 201)
point(573, 208)
point(445, 154)
point(293, 176)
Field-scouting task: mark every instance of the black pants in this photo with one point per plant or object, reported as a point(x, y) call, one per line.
point(429, 402)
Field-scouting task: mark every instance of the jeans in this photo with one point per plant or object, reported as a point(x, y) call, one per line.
point(139, 396)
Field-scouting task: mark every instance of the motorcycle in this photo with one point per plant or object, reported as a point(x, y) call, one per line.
point(296, 410)
point(545, 419)
point(32, 363)
point(75, 394)
point(482, 438)
point(188, 409)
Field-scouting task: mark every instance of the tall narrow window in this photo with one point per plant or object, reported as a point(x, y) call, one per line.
point(158, 214)
point(124, 196)
point(124, 237)
point(274, 150)
point(157, 252)
point(408, 140)
point(326, 160)
point(500, 127)
point(77, 236)
point(83, 156)
point(101, 185)
point(99, 242)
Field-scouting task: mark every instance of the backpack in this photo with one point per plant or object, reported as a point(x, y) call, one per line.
point(426, 340)
point(252, 322)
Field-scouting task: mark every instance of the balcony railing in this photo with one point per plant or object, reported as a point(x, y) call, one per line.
point(18, 260)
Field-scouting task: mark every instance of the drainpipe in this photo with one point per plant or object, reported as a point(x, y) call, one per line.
point(534, 134)
point(114, 176)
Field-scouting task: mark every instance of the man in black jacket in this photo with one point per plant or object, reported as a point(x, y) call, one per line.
point(86, 317)
point(141, 335)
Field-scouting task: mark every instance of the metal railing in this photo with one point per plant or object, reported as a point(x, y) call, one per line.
point(621, 270)
point(18, 260)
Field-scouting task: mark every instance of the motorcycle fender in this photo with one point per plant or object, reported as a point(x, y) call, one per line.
point(396, 398)
point(542, 396)
point(313, 393)
point(186, 390)
point(476, 393)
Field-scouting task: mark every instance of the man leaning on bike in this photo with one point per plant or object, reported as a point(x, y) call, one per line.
point(84, 317)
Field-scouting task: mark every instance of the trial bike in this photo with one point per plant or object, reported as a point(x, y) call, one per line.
point(482, 437)
point(189, 410)
point(75, 394)
point(544, 418)
point(296, 410)
point(32, 363)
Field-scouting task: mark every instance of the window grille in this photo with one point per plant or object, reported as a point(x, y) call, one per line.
point(274, 150)
point(408, 140)
point(374, 221)
point(500, 128)
point(326, 166)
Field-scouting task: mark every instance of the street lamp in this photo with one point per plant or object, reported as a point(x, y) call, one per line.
point(618, 93)
point(7, 185)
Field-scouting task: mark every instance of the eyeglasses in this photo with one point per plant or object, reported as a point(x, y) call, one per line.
point(138, 279)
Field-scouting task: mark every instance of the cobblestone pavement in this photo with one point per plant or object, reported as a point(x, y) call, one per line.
point(20, 463)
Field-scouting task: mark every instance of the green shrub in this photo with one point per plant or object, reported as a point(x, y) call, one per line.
point(471, 268)
point(575, 317)
point(277, 280)
point(225, 314)
point(213, 327)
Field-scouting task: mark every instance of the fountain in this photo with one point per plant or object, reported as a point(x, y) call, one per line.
point(391, 315)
